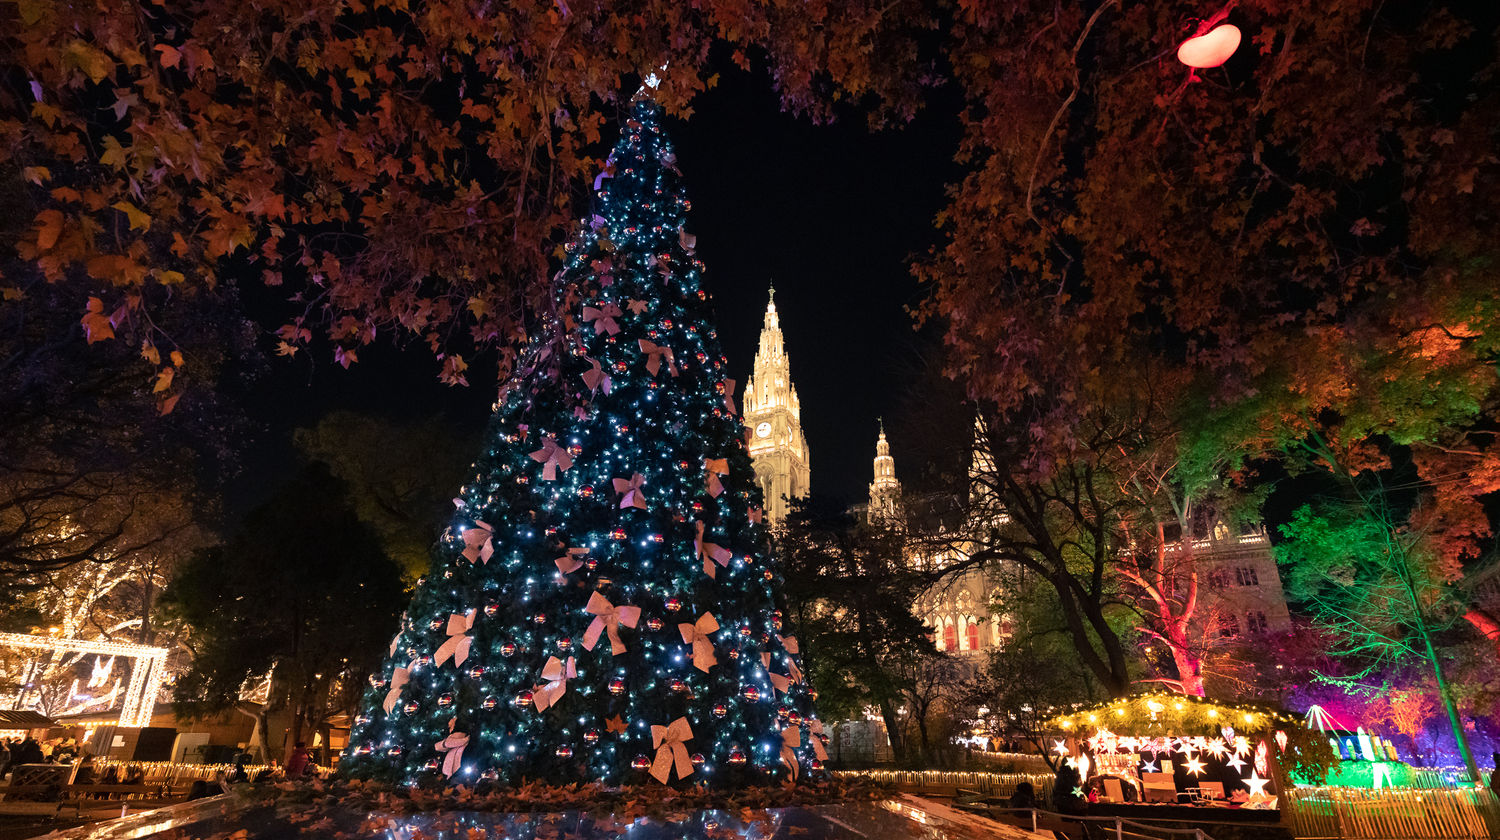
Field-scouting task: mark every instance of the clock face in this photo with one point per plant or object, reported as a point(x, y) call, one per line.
point(763, 430)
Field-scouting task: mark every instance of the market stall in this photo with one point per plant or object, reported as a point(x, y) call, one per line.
point(1173, 750)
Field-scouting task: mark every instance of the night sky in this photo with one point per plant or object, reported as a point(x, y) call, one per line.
point(831, 214)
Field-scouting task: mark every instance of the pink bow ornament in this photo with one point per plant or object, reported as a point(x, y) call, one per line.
point(571, 561)
point(655, 353)
point(631, 494)
point(756, 514)
point(671, 750)
point(596, 378)
point(453, 749)
point(399, 678)
point(687, 240)
point(715, 467)
point(710, 553)
point(607, 619)
point(603, 318)
point(479, 542)
point(782, 684)
point(552, 458)
point(696, 634)
point(459, 642)
point(729, 396)
point(556, 673)
point(791, 739)
point(816, 727)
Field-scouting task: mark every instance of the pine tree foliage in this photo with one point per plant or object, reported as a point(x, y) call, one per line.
point(604, 604)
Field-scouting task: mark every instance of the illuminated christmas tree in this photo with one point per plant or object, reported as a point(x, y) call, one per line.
point(604, 605)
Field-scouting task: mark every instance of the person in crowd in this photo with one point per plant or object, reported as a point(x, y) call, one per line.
point(1024, 797)
point(268, 772)
point(84, 774)
point(29, 752)
point(300, 761)
point(238, 774)
point(1067, 797)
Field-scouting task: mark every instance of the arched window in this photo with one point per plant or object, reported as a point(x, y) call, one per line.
point(950, 636)
point(973, 635)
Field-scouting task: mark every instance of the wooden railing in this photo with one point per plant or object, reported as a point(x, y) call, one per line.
point(949, 781)
point(1324, 813)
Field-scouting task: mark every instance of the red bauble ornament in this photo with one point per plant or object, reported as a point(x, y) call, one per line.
point(720, 710)
point(476, 672)
point(816, 764)
point(591, 736)
point(736, 757)
point(653, 623)
point(508, 649)
point(697, 759)
point(489, 702)
point(641, 762)
point(393, 752)
point(564, 751)
point(525, 698)
point(410, 707)
point(491, 609)
point(616, 686)
point(673, 605)
point(617, 534)
point(677, 686)
point(750, 693)
point(539, 618)
point(565, 644)
point(658, 538)
point(435, 624)
point(586, 491)
point(746, 632)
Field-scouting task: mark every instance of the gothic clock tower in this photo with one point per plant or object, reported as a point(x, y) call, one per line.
point(775, 419)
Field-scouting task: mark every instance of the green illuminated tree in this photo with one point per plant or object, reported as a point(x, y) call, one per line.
point(1379, 586)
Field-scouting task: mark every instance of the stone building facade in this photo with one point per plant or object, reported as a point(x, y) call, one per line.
point(773, 415)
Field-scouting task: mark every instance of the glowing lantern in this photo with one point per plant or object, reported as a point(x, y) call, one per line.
point(1211, 48)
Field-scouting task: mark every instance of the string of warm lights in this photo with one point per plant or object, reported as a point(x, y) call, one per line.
point(1164, 713)
point(146, 677)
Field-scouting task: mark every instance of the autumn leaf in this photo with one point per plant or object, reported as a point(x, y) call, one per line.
point(49, 226)
point(169, 55)
point(36, 174)
point(150, 353)
point(166, 405)
point(95, 64)
point(96, 325)
point(163, 379)
point(139, 219)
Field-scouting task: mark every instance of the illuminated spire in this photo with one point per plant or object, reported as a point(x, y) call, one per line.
point(885, 490)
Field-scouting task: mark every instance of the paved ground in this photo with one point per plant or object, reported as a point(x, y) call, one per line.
point(13, 827)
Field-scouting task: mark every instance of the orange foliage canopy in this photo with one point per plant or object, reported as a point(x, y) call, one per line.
point(1305, 234)
point(394, 167)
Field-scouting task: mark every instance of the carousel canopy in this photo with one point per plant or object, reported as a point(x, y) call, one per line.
point(1173, 714)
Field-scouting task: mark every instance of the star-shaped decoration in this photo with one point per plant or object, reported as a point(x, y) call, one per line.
point(1217, 749)
point(1193, 765)
point(1148, 767)
point(1236, 762)
point(615, 724)
point(1060, 747)
point(1256, 784)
